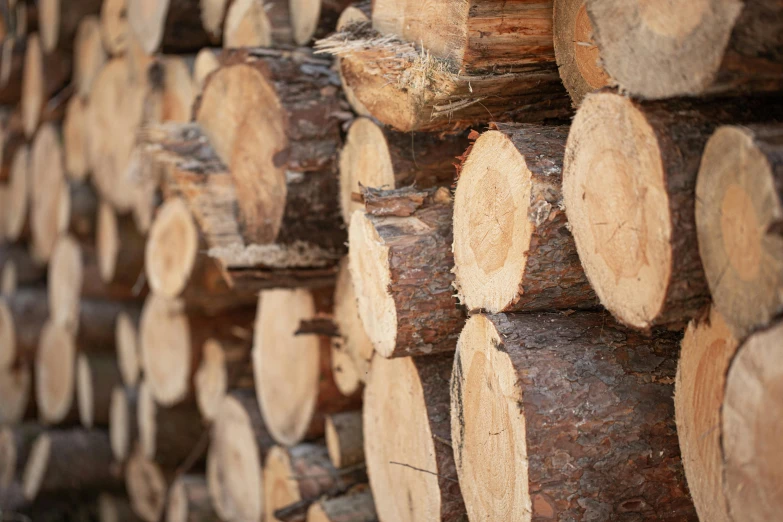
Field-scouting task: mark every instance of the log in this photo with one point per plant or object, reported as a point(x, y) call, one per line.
point(303, 474)
point(294, 392)
point(634, 223)
point(248, 25)
point(358, 13)
point(224, 366)
point(119, 247)
point(172, 340)
point(751, 427)
point(414, 467)
point(705, 355)
point(578, 57)
point(8, 279)
point(65, 278)
point(213, 16)
point(55, 375)
point(700, 48)
point(377, 157)
point(49, 201)
point(42, 77)
point(22, 317)
point(114, 26)
point(96, 376)
point(401, 265)
point(170, 436)
point(739, 194)
point(75, 459)
point(123, 428)
point(89, 55)
point(353, 507)
point(15, 445)
point(410, 90)
point(173, 26)
point(26, 270)
point(147, 485)
point(352, 349)
point(579, 407)
point(80, 212)
point(345, 439)
point(113, 508)
point(473, 36)
point(58, 22)
point(12, 138)
point(520, 255)
point(126, 340)
point(15, 388)
point(171, 91)
point(12, 53)
point(206, 62)
point(239, 443)
point(75, 135)
point(189, 501)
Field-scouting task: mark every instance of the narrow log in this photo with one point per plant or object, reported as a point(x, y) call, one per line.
point(739, 198)
point(49, 201)
point(12, 137)
point(239, 443)
point(12, 53)
point(377, 157)
point(65, 282)
point(89, 55)
point(171, 91)
point(578, 57)
point(410, 90)
point(114, 26)
point(112, 508)
point(578, 407)
point(16, 389)
point(123, 428)
point(401, 265)
point(8, 279)
point(75, 459)
point(17, 208)
point(42, 77)
point(147, 485)
point(213, 16)
point(294, 393)
point(224, 366)
point(96, 376)
point(189, 501)
point(415, 467)
point(352, 349)
point(22, 317)
point(513, 250)
point(80, 212)
point(206, 63)
point(345, 439)
point(119, 247)
point(695, 49)
point(248, 25)
point(633, 218)
point(170, 436)
point(58, 22)
point(705, 355)
point(354, 507)
point(303, 474)
point(15, 445)
point(75, 136)
point(27, 271)
point(358, 13)
point(55, 375)
point(126, 341)
point(170, 25)
point(751, 426)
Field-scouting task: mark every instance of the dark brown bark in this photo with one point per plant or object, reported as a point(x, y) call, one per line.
point(103, 375)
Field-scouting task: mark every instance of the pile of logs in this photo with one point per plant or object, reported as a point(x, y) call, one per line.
point(301, 260)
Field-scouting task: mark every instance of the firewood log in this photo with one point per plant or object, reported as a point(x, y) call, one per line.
point(206, 62)
point(58, 22)
point(353, 507)
point(16, 389)
point(513, 250)
point(55, 375)
point(119, 248)
point(147, 485)
point(17, 208)
point(22, 317)
point(696, 48)
point(213, 16)
point(114, 26)
point(15, 445)
point(249, 25)
point(89, 55)
point(126, 340)
point(739, 201)
point(75, 139)
point(168, 25)
point(189, 501)
point(578, 408)
point(42, 77)
point(97, 375)
point(49, 191)
point(401, 265)
point(170, 89)
point(12, 53)
point(224, 366)
point(408, 442)
point(113, 508)
point(345, 439)
point(27, 272)
point(123, 425)
point(357, 13)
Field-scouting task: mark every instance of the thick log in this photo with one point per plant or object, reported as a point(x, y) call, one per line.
point(409, 398)
point(189, 501)
point(294, 392)
point(42, 77)
point(126, 340)
point(239, 443)
point(114, 26)
point(123, 426)
point(301, 475)
point(751, 426)
point(345, 439)
point(633, 217)
point(22, 317)
point(411, 90)
point(12, 53)
point(705, 355)
point(75, 459)
point(49, 201)
point(147, 485)
point(357, 13)
point(58, 22)
point(170, 436)
point(513, 250)
point(401, 265)
point(16, 389)
point(15, 445)
point(89, 55)
point(113, 508)
point(739, 200)
point(377, 157)
point(75, 136)
point(353, 507)
point(55, 375)
point(697, 48)
point(579, 408)
point(224, 366)
point(578, 57)
point(172, 26)
point(97, 375)
point(172, 341)
point(119, 247)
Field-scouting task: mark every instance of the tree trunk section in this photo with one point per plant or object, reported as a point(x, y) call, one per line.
point(126, 337)
point(147, 485)
point(58, 22)
point(345, 439)
point(173, 26)
point(224, 366)
point(189, 501)
point(22, 317)
point(43, 76)
point(353, 507)
point(55, 370)
point(16, 389)
point(96, 376)
point(123, 424)
point(15, 445)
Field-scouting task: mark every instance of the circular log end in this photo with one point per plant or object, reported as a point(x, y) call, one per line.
point(247, 25)
point(7, 457)
point(147, 19)
point(84, 391)
point(211, 379)
point(146, 487)
point(49, 24)
point(352, 349)
point(119, 424)
point(146, 421)
point(107, 241)
point(7, 332)
point(114, 26)
point(50, 202)
point(280, 489)
point(165, 349)
point(65, 281)
point(18, 199)
point(172, 247)
point(54, 375)
point(32, 85)
point(15, 384)
point(177, 509)
point(213, 12)
point(398, 443)
point(752, 424)
point(618, 207)
point(8, 284)
point(736, 208)
point(35, 468)
point(89, 55)
point(74, 139)
point(206, 62)
point(305, 15)
point(276, 374)
point(371, 275)
point(126, 339)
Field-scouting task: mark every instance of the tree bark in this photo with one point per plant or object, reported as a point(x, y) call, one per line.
point(401, 265)
point(173, 26)
point(43, 76)
point(16, 390)
point(12, 54)
point(22, 317)
point(589, 406)
point(96, 376)
point(58, 22)
point(189, 501)
point(345, 439)
point(354, 507)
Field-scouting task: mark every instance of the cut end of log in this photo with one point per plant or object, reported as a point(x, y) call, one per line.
point(15, 389)
point(206, 62)
point(618, 207)
point(287, 388)
point(247, 25)
point(146, 421)
point(147, 486)
point(120, 419)
point(211, 379)
point(305, 15)
point(371, 275)
point(89, 55)
point(172, 247)
point(738, 216)
point(165, 349)
point(85, 398)
point(50, 209)
point(35, 468)
point(7, 457)
point(75, 134)
point(107, 241)
point(18, 200)
point(55, 373)
point(126, 340)
point(49, 23)
point(114, 26)
point(345, 439)
point(177, 509)
point(33, 95)
point(147, 19)
point(7, 333)
point(213, 12)
point(8, 284)
point(65, 282)
point(352, 349)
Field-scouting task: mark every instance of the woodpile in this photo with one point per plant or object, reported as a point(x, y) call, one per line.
point(307, 261)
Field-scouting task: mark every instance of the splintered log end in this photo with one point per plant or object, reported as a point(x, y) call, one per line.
point(352, 349)
point(126, 341)
point(247, 25)
point(55, 374)
point(739, 204)
point(66, 272)
point(147, 486)
point(16, 389)
point(172, 247)
point(89, 55)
